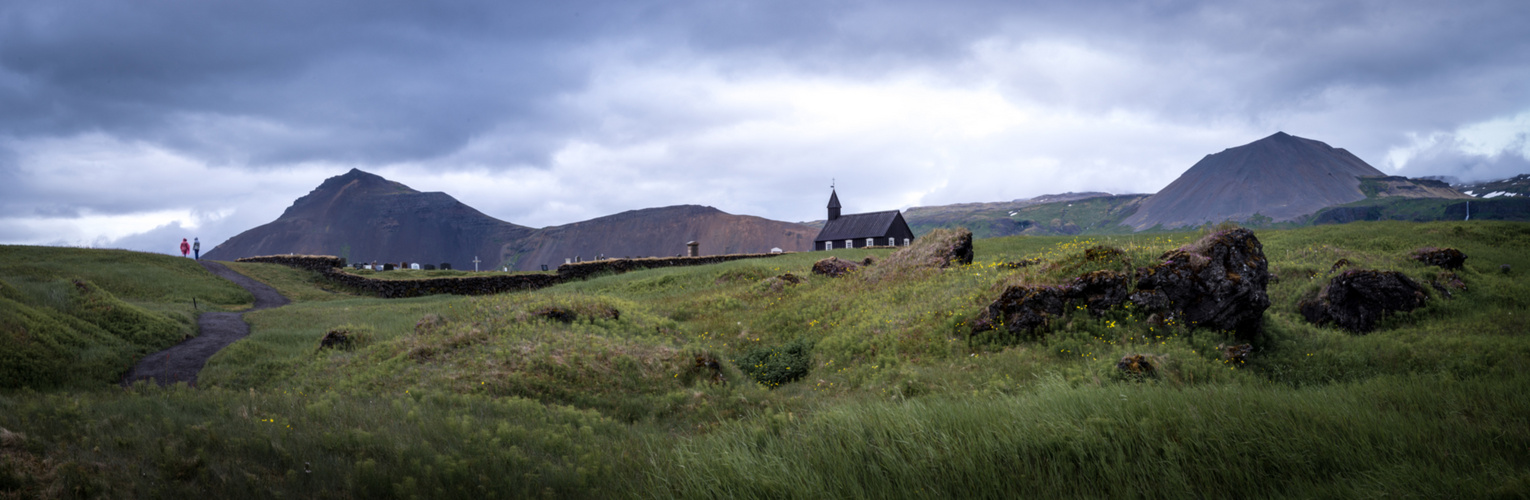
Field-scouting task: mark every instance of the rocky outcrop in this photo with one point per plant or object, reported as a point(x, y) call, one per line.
point(940, 248)
point(1218, 282)
point(1447, 258)
point(1099, 290)
point(1356, 300)
point(1136, 365)
point(1023, 310)
point(833, 267)
point(780, 282)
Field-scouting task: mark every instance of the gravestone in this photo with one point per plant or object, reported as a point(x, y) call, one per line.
point(446, 266)
point(693, 249)
point(430, 267)
point(388, 266)
point(414, 265)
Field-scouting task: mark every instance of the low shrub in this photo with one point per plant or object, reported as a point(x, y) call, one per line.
point(777, 365)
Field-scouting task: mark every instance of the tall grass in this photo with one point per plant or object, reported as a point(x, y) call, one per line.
point(1388, 437)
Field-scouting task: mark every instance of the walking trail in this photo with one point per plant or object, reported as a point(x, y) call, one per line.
point(182, 362)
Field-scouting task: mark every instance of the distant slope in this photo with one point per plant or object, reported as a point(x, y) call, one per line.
point(364, 217)
point(1403, 187)
point(1005, 218)
point(1509, 208)
point(657, 232)
point(1282, 177)
point(1518, 185)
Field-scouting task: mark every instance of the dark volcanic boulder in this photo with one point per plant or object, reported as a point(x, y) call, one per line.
point(1448, 258)
point(336, 339)
point(1356, 300)
point(1021, 310)
point(833, 267)
point(960, 250)
point(1218, 282)
point(1135, 365)
point(1099, 290)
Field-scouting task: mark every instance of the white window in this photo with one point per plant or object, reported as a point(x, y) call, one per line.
point(849, 243)
point(828, 245)
point(905, 242)
point(869, 243)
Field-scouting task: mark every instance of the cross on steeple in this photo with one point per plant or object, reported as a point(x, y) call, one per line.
point(475, 263)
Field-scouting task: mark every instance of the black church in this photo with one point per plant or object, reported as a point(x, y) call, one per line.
point(862, 230)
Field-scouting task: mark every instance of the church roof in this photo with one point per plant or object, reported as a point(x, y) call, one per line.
point(855, 226)
point(833, 199)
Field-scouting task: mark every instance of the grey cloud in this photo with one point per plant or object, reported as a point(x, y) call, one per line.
point(400, 81)
point(1447, 157)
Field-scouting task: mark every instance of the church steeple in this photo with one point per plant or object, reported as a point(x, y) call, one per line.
point(833, 204)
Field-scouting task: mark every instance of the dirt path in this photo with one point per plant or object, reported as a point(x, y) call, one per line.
point(182, 362)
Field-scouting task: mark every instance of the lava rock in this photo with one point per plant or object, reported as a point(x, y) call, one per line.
point(1447, 283)
point(958, 251)
point(833, 267)
point(335, 339)
point(780, 282)
point(1218, 282)
point(1357, 299)
point(1022, 310)
point(557, 313)
point(1099, 290)
point(1448, 258)
point(1135, 365)
point(1235, 353)
point(709, 366)
point(1021, 263)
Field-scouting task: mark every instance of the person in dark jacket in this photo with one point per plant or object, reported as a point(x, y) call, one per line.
point(185, 247)
point(196, 248)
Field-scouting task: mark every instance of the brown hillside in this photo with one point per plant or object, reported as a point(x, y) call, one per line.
point(659, 232)
point(1281, 176)
point(364, 217)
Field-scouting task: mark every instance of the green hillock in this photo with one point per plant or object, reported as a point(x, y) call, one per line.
point(80, 317)
point(684, 382)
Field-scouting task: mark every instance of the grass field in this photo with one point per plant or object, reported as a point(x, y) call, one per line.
point(721, 381)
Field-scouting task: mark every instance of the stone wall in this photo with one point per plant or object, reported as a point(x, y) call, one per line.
point(582, 270)
point(317, 263)
point(470, 285)
point(333, 269)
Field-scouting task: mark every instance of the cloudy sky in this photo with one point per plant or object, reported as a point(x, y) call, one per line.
point(134, 124)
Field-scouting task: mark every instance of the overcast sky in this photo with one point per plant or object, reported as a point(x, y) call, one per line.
point(134, 124)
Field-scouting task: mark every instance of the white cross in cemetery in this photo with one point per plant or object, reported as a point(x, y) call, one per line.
point(475, 263)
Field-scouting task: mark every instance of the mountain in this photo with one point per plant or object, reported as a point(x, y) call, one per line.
point(1282, 177)
point(364, 217)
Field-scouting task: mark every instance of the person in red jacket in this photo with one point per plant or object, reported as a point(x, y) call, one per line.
point(185, 247)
